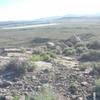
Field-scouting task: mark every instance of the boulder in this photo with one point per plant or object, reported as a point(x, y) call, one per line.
point(74, 39)
point(84, 83)
point(50, 45)
point(88, 70)
point(4, 84)
point(80, 98)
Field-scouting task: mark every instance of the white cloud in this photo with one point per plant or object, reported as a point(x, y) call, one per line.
point(33, 9)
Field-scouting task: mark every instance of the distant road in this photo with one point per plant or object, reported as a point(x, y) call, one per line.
point(30, 26)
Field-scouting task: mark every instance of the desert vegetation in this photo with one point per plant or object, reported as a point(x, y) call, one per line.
point(57, 63)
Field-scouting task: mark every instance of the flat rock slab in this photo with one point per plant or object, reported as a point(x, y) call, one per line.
point(41, 65)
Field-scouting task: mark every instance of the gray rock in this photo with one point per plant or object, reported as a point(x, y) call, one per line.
point(74, 39)
point(80, 98)
point(88, 70)
point(4, 84)
point(50, 45)
point(84, 83)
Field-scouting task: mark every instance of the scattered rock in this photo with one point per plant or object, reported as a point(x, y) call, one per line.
point(62, 73)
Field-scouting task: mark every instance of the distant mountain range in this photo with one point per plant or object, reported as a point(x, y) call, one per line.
point(69, 16)
point(47, 20)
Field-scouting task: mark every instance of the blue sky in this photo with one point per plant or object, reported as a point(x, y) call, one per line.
point(34, 9)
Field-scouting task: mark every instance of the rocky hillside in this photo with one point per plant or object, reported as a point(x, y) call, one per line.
point(54, 70)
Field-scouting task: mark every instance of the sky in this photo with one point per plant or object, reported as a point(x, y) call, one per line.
point(34, 9)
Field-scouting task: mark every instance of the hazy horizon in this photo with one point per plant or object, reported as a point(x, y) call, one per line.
point(14, 10)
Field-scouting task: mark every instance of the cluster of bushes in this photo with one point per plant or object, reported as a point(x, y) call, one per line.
point(97, 87)
point(80, 48)
point(16, 98)
point(96, 69)
point(69, 51)
point(45, 94)
point(47, 56)
point(15, 66)
point(73, 88)
point(88, 52)
point(19, 67)
point(84, 51)
point(84, 65)
point(92, 55)
point(94, 45)
point(29, 66)
point(77, 49)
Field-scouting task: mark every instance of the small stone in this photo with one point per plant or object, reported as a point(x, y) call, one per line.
point(80, 98)
point(50, 44)
point(84, 83)
point(88, 70)
point(33, 78)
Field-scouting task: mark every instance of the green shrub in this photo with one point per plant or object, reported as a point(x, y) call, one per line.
point(84, 66)
point(70, 44)
point(94, 45)
point(96, 67)
point(16, 98)
point(27, 98)
point(79, 44)
point(29, 66)
point(45, 94)
point(80, 50)
point(36, 57)
point(97, 87)
point(92, 55)
point(19, 67)
point(47, 56)
point(51, 54)
point(69, 51)
point(40, 57)
point(72, 88)
point(15, 66)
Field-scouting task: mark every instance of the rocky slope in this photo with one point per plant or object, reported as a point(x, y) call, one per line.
point(61, 73)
